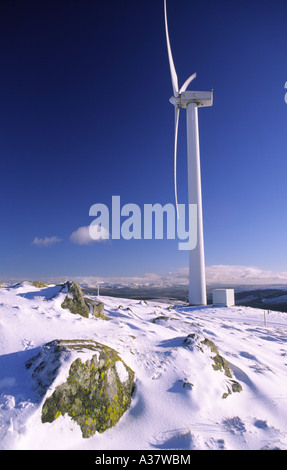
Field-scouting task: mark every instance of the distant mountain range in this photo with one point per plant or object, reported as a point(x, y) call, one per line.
point(267, 298)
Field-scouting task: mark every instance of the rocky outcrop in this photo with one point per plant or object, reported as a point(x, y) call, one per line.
point(77, 303)
point(95, 385)
point(38, 284)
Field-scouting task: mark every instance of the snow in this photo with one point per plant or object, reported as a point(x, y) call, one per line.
point(121, 371)
point(177, 403)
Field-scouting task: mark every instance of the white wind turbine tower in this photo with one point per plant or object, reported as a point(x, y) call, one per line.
point(191, 100)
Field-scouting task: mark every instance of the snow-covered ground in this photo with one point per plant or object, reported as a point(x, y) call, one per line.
point(177, 403)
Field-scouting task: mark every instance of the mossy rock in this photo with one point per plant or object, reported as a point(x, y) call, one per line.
point(96, 308)
point(38, 284)
point(98, 388)
point(78, 304)
point(234, 386)
point(74, 301)
point(220, 363)
point(163, 318)
point(159, 318)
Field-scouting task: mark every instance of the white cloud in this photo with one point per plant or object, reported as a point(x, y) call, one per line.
point(243, 275)
point(81, 236)
point(47, 241)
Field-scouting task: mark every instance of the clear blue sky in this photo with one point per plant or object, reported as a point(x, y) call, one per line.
point(85, 115)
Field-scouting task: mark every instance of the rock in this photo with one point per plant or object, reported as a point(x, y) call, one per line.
point(74, 301)
point(77, 303)
point(44, 366)
point(38, 284)
point(219, 362)
point(97, 389)
point(96, 308)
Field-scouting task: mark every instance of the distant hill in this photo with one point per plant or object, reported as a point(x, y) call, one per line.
point(267, 299)
point(263, 298)
point(174, 294)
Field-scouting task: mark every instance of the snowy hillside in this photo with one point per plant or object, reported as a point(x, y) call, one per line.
point(180, 399)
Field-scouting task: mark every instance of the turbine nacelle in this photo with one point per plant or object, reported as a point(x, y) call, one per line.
point(200, 98)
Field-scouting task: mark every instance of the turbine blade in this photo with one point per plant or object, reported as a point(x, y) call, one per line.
point(187, 82)
point(174, 78)
point(177, 109)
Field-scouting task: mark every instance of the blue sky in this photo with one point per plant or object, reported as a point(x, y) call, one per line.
point(85, 115)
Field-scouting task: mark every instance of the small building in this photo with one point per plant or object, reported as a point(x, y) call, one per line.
point(223, 297)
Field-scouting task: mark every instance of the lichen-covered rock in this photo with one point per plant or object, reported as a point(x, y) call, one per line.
point(38, 284)
point(97, 387)
point(78, 304)
point(220, 363)
point(74, 301)
point(96, 308)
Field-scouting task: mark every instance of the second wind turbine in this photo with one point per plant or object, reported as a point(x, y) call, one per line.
point(191, 101)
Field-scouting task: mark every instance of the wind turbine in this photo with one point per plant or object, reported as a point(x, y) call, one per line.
point(191, 101)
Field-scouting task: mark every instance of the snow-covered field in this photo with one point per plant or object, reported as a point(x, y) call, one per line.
point(177, 403)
